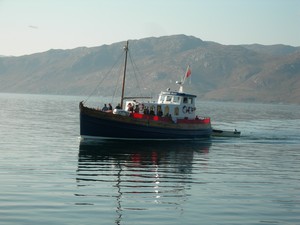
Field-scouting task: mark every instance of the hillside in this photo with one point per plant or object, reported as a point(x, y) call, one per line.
point(219, 72)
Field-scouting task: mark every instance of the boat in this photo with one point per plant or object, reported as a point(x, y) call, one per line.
point(171, 117)
point(225, 133)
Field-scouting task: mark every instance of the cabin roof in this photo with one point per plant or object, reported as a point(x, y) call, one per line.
point(176, 93)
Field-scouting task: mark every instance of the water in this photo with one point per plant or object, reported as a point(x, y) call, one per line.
point(49, 177)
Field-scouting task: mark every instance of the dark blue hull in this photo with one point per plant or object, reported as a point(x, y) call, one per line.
point(97, 126)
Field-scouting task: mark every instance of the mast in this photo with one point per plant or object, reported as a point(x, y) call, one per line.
point(124, 75)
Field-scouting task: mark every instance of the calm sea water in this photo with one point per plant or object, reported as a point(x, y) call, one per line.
point(49, 177)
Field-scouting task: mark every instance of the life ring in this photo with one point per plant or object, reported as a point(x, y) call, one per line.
point(184, 109)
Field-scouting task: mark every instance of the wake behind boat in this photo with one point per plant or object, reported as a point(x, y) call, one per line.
point(171, 117)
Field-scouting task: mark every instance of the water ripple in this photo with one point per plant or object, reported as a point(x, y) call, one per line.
point(49, 177)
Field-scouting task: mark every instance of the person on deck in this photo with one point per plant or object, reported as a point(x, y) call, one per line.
point(129, 107)
point(109, 107)
point(137, 109)
point(118, 106)
point(104, 108)
point(146, 111)
point(160, 113)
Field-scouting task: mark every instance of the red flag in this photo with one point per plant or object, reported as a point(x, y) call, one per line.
point(188, 72)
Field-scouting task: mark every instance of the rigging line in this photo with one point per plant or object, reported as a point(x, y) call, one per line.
point(134, 66)
point(117, 84)
point(101, 81)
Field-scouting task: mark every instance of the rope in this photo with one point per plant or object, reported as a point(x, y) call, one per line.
point(134, 66)
point(117, 85)
point(101, 81)
point(135, 70)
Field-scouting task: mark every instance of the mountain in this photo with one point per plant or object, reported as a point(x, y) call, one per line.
point(255, 73)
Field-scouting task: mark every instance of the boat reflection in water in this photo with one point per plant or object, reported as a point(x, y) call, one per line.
point(130, 176)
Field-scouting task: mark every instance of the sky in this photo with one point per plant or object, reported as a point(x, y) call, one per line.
point(31, 26)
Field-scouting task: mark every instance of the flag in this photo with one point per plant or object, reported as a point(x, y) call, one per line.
point(188, 72)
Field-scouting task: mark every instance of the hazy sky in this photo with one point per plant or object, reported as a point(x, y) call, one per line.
point(30, 26)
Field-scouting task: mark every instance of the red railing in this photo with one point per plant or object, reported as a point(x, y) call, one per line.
point(168, 119)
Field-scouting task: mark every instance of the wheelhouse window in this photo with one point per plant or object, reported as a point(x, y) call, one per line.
point(168, 98)
point(176, 99)
point(188, 100)
point(161, 98)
